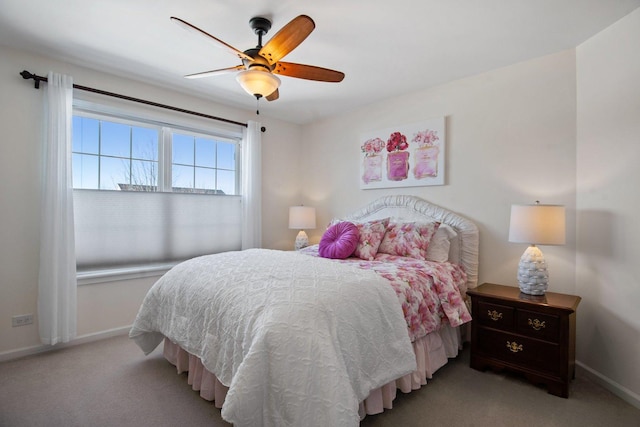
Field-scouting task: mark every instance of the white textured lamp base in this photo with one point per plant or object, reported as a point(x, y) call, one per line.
point(533, 276)
point(302, 241)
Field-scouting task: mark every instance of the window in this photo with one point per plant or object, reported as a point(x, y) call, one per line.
point(110, 155)
point(203, 164)
point(150, 192)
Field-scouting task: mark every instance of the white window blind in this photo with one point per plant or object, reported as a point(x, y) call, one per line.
point(119, 228)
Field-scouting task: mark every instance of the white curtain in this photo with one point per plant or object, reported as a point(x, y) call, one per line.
point(57, 275)
point(251, 186)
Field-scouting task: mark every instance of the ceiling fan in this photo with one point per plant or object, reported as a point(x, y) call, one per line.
point(259, 65)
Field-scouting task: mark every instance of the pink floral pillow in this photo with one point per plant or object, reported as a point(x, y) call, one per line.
point(339, 241)
point(410, 239)
point(370, 237)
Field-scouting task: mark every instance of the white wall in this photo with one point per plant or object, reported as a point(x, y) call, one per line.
point(510, 139)
point(608, 201)
point(107, 306)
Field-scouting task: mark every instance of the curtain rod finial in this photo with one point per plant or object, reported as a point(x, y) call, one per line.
point(27, 75)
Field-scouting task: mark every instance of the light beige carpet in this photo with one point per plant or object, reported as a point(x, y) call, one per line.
point(111, 383)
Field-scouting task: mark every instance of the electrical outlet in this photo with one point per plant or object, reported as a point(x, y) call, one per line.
point(21, 320)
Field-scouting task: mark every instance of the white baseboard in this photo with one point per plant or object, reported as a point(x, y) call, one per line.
point(28, 351)
point(619, 390)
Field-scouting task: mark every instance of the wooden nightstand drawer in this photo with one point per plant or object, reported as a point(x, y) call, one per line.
point(538, 325)
point(496, 316)
point(519, 350)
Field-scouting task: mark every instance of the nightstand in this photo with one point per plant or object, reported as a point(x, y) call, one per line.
point(530, 334)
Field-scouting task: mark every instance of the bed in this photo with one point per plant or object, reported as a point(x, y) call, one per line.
point(294, 338)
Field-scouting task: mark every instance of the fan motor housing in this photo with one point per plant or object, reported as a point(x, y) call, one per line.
point(258, 60)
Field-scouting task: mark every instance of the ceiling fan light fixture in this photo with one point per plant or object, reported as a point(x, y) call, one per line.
point(259, 64)
point(258, 83)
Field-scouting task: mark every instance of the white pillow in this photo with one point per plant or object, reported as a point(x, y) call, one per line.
point(440, 244)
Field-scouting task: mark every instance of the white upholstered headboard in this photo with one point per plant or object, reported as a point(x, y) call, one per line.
point(464, 247)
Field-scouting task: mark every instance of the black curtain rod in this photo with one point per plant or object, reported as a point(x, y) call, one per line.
point(37, 79)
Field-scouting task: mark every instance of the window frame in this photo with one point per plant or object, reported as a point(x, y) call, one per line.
point(167, 123)
point(165, 143)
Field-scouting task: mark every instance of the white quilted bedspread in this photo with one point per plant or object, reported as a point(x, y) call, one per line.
point(299, 340)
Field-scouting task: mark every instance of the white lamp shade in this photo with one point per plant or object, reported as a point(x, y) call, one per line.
point(258, 83)
point(537, 224)
point(302, 217)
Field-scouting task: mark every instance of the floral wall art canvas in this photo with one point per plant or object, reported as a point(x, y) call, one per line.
point(403, 156)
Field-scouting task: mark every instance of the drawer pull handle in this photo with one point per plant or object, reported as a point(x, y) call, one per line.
point(536, 324)
point(494, 315)
point(514, 346)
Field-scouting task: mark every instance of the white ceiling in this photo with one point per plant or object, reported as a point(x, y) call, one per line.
point(385, 47)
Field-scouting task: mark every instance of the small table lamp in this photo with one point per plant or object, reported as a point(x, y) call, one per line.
point(302, 218)
point(537, 225)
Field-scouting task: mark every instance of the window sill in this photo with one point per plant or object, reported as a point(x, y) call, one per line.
point(91, 277)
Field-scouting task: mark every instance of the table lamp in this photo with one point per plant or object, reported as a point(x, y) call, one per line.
point(537, 225)
point(302, 218)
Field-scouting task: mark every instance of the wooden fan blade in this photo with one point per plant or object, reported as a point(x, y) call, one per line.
point(308, 72)
point(287, 39)
point(219, 43)
point(214, 72)
point(275, 95)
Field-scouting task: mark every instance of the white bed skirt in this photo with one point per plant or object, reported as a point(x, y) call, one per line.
point(432, 353)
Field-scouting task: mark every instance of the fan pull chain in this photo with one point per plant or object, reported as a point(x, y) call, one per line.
point(257, 105)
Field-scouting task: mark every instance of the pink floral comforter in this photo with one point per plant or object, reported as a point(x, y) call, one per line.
point(430, 292)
